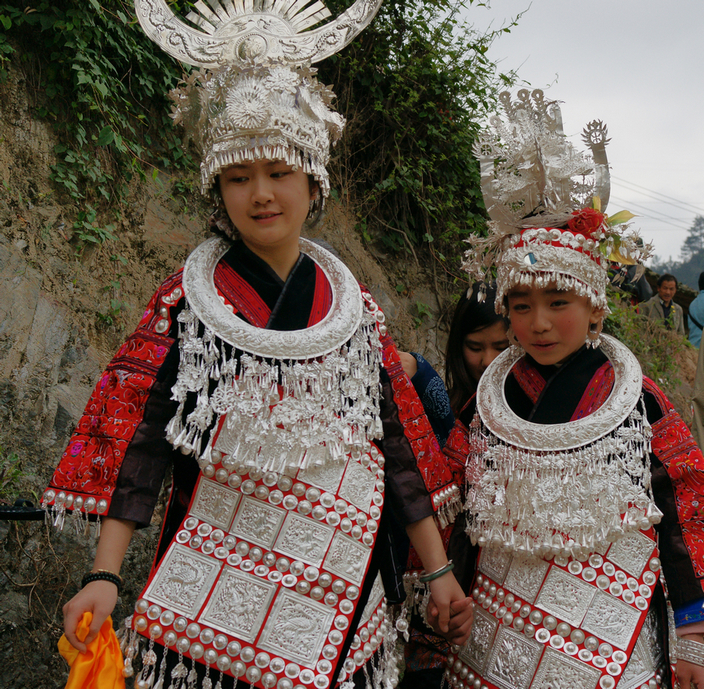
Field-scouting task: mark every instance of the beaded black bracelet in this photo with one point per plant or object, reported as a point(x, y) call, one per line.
point(103, 575)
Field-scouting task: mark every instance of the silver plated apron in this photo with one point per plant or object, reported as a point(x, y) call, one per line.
point(263, 578)
point(564, 623)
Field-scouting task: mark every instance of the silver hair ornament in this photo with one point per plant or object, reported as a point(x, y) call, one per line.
point(533, 182)
point(254, 112)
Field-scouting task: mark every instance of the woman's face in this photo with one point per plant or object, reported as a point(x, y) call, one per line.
point(267, 201)
point(481, 347)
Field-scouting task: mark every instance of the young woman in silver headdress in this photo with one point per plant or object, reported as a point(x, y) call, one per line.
point(265, 376)
point(583, 485)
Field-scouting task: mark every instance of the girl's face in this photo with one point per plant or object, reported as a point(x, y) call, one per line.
point(267, 201)
point(550, 324)
point(481, 347)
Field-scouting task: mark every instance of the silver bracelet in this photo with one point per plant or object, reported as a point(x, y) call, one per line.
point(426, 577)
point(691, 651)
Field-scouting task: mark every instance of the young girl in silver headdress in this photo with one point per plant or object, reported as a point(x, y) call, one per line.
point(265, 377)
point(583, 485)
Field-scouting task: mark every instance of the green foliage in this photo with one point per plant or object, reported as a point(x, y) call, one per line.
point(10, 473)
point(413, 88)
point(656, 347)
point(102, 84)
point(89, 230)
point(423, 311)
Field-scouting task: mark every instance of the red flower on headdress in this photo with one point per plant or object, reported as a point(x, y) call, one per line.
point(586, 222)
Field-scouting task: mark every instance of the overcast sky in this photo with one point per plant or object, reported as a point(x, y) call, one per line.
point(635, 64)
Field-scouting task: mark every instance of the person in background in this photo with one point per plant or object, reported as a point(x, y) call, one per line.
point(264, 377)
point(662, 307)
point(477, 336)
point(696, 315)
point(581, 482)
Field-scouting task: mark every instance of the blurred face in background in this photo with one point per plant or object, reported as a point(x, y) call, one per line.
point(667, 291)
point(481, 347)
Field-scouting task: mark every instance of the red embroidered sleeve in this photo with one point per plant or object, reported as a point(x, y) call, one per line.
point(434, 467)
point(455, 454)
point(85, 478)
point(675, 447)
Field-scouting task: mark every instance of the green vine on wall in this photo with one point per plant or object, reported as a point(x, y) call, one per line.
point(102, 83)
point(413, 87)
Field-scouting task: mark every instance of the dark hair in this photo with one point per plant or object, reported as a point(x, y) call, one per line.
point(666, 277)
point(701, 281)
point(470, 315)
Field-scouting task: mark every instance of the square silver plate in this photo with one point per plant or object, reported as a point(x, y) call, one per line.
point(632, 553)
point(525, 576)
point(183, 581)
point(358, 486)
point(611, 619)
point(347, 558)
point(513, 659)
point(215, 503)
point(258, 522)
point(560, 671)
point(304, 539)
point(565, 596)
point(296, 628)
point(476, 651)
point(239, 604)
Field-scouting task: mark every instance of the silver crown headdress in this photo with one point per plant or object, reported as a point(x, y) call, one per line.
point(256, 96)
point(534, 182)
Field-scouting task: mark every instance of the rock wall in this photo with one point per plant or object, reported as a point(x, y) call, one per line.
point(59, 327)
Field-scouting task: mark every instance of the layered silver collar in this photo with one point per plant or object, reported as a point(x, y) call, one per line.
point(568, 488)
point(290, 399)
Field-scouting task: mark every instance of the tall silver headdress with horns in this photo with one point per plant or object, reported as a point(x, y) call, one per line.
point(546, 201)
point(256, 95)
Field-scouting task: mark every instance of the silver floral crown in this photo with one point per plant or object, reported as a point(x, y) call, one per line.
point(274, 112)
point(534, 182)
point(256, 96)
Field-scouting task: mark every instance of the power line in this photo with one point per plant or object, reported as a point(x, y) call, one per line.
point(651, 214)
point(668, 199)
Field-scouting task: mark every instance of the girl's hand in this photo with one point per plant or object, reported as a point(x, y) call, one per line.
point(450, 612)
point(688, 674)
point(99, 598)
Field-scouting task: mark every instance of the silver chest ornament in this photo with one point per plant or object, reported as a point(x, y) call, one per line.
point(569, 563)
point(263, 578)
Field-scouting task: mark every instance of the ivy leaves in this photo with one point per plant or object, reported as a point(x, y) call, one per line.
point(104, 85)
point(414, 87)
